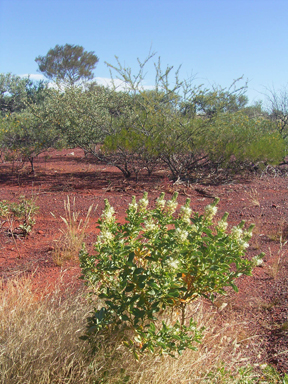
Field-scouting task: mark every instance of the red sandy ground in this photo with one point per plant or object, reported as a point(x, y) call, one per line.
point(263, 297)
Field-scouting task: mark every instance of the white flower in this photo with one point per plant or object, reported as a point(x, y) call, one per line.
point(243, 245)
point(222, 225)
point(181, 234)
point(173, 264)
point(150, 225)
point(194, 228)
point(105, 236)
point(186, 211)
point(185, 214)
point(210, 211)
point(108, 214)
point(143, 202)
point(171, 206)
point(186, 220)
point(237, 233)
point(133, 206)
point(257, 261)
point(247, 235)
point(160, 202)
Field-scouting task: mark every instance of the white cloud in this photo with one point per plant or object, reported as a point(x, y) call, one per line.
point(38, 77)
point(34, 76)
point(119, 84)
point(105, 81)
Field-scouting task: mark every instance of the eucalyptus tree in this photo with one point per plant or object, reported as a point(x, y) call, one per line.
point(69, 63)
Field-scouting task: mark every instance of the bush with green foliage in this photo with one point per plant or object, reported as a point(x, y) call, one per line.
point(192, 131)
point(235, 140)
point(81, 117)
point(159, 261)
point(20, 214)
point(23, 136)
point(16, 92)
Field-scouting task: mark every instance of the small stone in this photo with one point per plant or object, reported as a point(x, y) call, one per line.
point(40, 232)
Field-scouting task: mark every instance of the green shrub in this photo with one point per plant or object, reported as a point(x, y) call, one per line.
point(21, 214)
point(23, 137)
point(159, 262)
point(237, 139)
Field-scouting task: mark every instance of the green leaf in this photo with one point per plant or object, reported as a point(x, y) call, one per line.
point(214, 268)
point(129, 287)
point(130, 259)
point(138, 271)
point(234, 286)
point(152, 327)
point(152, 284)
point(173, 293)
point(140, 281)
point(135, 355)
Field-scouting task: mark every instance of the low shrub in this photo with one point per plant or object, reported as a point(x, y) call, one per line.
point(20, 217)
point(151, 267)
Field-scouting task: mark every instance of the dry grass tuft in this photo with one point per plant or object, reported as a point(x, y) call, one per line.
point(72, 235)
point(280, 232)
point(274, 268)
point(254, 197)
point(40, 344)
point(39, 335)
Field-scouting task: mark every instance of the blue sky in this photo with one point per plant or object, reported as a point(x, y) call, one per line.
point(214, 40)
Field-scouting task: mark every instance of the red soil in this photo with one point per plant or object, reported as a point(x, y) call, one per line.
point(263, 297)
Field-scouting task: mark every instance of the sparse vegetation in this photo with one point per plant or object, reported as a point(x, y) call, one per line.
point(41, 333)
point(149, 279)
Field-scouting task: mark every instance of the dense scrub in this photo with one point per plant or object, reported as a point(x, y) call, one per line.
point(190, 131)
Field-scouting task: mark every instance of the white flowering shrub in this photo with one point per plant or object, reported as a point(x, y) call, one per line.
point(156, 263)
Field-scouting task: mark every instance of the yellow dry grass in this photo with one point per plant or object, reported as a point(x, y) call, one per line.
point(39, 343)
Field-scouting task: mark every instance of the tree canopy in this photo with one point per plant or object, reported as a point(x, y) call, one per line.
point(16, 91)
point(68, 62)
